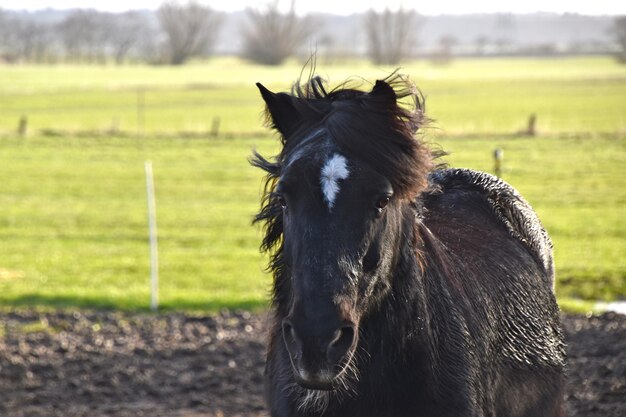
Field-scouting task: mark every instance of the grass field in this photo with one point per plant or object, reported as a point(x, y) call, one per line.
point(569, 95)
point(73, 217)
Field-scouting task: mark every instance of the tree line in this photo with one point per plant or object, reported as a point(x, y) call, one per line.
point(179, 31)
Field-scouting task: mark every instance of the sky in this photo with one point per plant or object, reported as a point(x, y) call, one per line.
point(344, 7)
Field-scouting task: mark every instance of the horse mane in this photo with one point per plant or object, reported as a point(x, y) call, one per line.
point(379, 128)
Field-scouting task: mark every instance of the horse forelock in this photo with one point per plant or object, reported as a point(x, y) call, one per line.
point(378, 129)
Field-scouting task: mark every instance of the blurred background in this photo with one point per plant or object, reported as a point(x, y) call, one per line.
point(88, 94)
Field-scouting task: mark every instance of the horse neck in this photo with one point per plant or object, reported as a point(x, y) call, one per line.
point(396, 335)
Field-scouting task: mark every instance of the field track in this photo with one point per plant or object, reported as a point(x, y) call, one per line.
point(119, 365)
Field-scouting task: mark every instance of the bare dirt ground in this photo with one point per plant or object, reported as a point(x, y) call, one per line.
point(122, 365)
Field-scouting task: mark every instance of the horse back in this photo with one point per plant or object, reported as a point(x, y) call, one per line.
point(472, 197)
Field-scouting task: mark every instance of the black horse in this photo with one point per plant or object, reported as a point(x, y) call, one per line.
point(400, 288)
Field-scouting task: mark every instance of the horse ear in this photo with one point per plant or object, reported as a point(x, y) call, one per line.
point(383, 91)
point(282, 110)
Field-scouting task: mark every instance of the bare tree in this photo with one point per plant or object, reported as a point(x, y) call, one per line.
point(444, 53)
point(3, 31)
point(191, 30)
point(8, 33)
point(84, 35)
point(273, 36)
point(126, 31)
point(504, 27)
point(619, 31)
point(33, 39)
point(480, 44)
point(24, 40)
point(390, 35)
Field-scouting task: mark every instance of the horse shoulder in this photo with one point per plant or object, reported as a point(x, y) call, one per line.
point(474, 200)
point(495, 261)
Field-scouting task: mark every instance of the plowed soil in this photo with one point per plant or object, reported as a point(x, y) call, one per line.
point(122, 365)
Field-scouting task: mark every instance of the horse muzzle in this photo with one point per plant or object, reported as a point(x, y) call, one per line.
point(319, 355)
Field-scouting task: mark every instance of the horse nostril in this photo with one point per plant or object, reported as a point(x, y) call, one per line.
point(340, 345)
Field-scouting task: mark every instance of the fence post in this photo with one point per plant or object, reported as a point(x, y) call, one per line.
point(531, 130)
point(22, 127)
point(498, 156)
point(215, 127)
point(154, 252)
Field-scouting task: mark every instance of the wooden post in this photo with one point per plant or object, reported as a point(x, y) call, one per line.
point(532, 123)
point(215, 127)
point(154, 251)
point(498, 156)
point(22, 127)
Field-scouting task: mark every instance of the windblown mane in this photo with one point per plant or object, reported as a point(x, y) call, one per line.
point(377, 128)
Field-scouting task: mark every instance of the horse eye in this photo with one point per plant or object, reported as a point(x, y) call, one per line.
point(382, 203)
point(281, 201)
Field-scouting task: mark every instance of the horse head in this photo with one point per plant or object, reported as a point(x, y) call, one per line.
point(338, 198)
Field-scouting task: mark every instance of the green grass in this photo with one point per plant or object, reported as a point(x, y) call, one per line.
point(470, 96)
point(73, 226)
point(73, 229)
